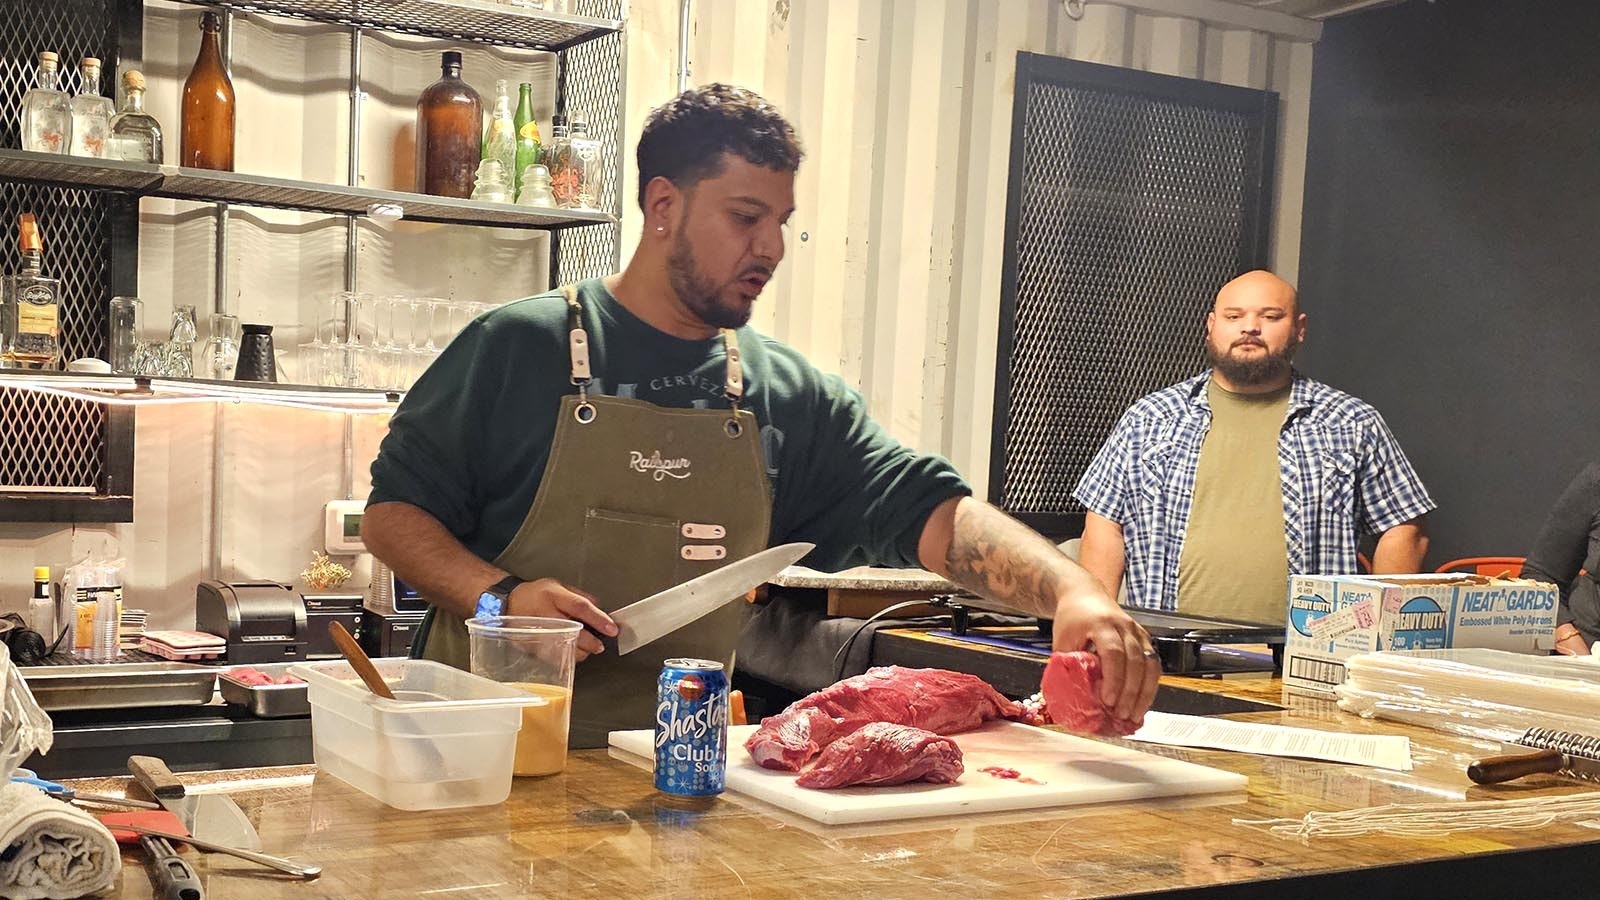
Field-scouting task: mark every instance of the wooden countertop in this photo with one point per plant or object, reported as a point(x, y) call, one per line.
point(599, 830)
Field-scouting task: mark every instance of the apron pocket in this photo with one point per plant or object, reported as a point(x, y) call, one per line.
point(627, 556)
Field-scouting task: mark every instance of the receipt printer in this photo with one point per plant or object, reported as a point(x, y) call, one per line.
point(262, 621)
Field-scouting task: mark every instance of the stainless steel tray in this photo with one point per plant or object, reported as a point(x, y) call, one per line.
point(267, 701)
point(120, 685)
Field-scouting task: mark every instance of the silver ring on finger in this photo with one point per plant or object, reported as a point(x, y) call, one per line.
point(1150, 653)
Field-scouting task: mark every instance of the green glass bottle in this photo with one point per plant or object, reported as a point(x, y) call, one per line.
point(527, 134)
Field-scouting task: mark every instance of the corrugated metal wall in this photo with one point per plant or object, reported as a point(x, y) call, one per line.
point(893, 269)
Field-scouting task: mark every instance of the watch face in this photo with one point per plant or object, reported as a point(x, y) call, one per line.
point(489, 604)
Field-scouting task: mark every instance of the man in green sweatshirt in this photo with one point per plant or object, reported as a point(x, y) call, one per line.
point(573, 452)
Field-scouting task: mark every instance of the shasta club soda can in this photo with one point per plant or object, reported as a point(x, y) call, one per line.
point(691, 728)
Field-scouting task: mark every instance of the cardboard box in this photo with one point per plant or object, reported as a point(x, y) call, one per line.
point(1407, 612)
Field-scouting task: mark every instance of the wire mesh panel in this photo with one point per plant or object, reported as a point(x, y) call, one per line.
point(592, 85)
point(1133, 198)
point(49, 442)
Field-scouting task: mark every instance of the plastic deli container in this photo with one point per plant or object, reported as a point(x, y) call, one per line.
point(446, 740)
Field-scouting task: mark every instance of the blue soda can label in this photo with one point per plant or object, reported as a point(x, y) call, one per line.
point(691, 728)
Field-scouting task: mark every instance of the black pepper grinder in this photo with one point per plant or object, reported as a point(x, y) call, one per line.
point(256, 361)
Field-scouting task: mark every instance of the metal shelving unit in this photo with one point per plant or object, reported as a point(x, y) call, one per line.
point(476, 21)
point(136, 390)
point(146, 180)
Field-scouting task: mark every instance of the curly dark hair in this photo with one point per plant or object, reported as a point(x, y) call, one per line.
point(684, 138)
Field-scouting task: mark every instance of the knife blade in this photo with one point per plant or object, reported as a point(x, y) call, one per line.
point(211, 817)
point(661, 614)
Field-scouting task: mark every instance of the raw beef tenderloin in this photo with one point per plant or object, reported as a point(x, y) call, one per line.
point(883, 753)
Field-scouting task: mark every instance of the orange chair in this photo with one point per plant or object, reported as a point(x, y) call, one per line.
point(1508, 566)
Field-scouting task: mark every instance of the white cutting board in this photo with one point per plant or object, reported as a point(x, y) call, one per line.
point(1074, 770)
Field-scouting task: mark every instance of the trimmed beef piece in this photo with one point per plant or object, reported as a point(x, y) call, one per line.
point(1071, 688)
point(883, 753)
point(935, 700)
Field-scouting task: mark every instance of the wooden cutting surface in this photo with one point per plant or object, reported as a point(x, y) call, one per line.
point(599, 830)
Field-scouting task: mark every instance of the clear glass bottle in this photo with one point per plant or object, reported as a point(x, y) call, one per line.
point(135, 134)
point(32, 306)
point(527, 132)
point(536, 188)
point(500, 137)
point(91, 114)
point(449, 133)
point(46, 111)
point(586, 160)
point(558, 159)
point(206, 138)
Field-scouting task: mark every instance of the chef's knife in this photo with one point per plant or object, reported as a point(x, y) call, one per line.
point(661, 614)
point(211, 817)
point(1542, 751)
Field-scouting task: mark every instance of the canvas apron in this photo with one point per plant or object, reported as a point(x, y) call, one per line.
point(635, 498)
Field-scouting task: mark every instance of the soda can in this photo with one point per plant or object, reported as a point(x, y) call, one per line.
point(691, 728)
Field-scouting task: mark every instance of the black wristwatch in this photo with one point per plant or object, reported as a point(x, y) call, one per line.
point(492, 602)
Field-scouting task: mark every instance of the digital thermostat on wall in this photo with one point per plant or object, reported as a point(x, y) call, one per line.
point(342, 526)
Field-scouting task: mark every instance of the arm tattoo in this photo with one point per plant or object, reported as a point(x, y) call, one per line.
point(995, 556)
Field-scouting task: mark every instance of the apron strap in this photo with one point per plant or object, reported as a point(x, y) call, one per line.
point(578, 350)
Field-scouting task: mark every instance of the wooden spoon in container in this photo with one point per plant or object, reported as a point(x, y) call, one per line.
point(359, 661)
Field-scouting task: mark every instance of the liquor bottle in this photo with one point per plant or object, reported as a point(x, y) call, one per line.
point(46, 111)
point(527, 133)
point(500, 137)
point(558, 159)
point(586, 160)
point(449, 133)
point(208, 107)
point(91, 113)
point(32, 306)
point(135, 134)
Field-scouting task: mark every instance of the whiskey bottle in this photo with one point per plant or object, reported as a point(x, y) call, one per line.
point(208, 107)
point(32, 306)
point(449, 133)
point(135, 134)
point(91, 114)
point(46, 111)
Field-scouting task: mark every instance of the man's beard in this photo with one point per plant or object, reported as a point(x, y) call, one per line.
point(1255, 371)
point(699, 293)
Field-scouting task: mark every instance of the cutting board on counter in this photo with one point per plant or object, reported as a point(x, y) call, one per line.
point(1073, 770)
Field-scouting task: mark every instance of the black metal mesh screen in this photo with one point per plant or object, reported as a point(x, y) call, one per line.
point(48, 441)
point(1134, 210)
point(594, 86)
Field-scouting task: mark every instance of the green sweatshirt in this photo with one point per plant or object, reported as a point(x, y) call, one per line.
point(470, 441)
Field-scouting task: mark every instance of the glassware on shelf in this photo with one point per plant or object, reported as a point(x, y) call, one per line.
point(585, 162)
point(91, 114)
point(179, 359)
point(493, 182)
point(208, 105)
point(536, 188)
point(449, 133)
point(31, 304)
point(47, 111)
point(527, 134)
point(500, 137)
point(135, 134)
point(558, 159)
point(124, 321)
point(221, 354)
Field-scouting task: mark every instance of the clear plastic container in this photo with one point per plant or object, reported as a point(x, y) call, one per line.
point(446, 741)
point(537, 656)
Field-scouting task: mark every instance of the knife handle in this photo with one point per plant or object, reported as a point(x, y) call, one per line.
point(175, 879)
point(154, 776)
point(1497, 769)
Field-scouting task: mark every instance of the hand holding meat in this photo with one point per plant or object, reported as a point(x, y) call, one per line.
point(1129, 668)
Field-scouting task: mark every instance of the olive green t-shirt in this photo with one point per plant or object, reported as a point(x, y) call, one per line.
point(1235, 560)
point(470, 441)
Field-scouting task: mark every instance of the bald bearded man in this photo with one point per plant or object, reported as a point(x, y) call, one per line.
point(1210, 492)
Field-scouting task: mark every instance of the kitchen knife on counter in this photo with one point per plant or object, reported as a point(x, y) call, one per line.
point(661, 614)
point(1541, 751)
point(210, 817)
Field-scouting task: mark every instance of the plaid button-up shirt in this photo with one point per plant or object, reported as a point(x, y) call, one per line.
point(1343, 474)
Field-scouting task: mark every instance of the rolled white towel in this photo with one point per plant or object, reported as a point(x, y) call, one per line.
point(50, 849)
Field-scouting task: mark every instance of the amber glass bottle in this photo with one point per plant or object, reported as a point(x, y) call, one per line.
point(208, 107)
point(449, 133)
